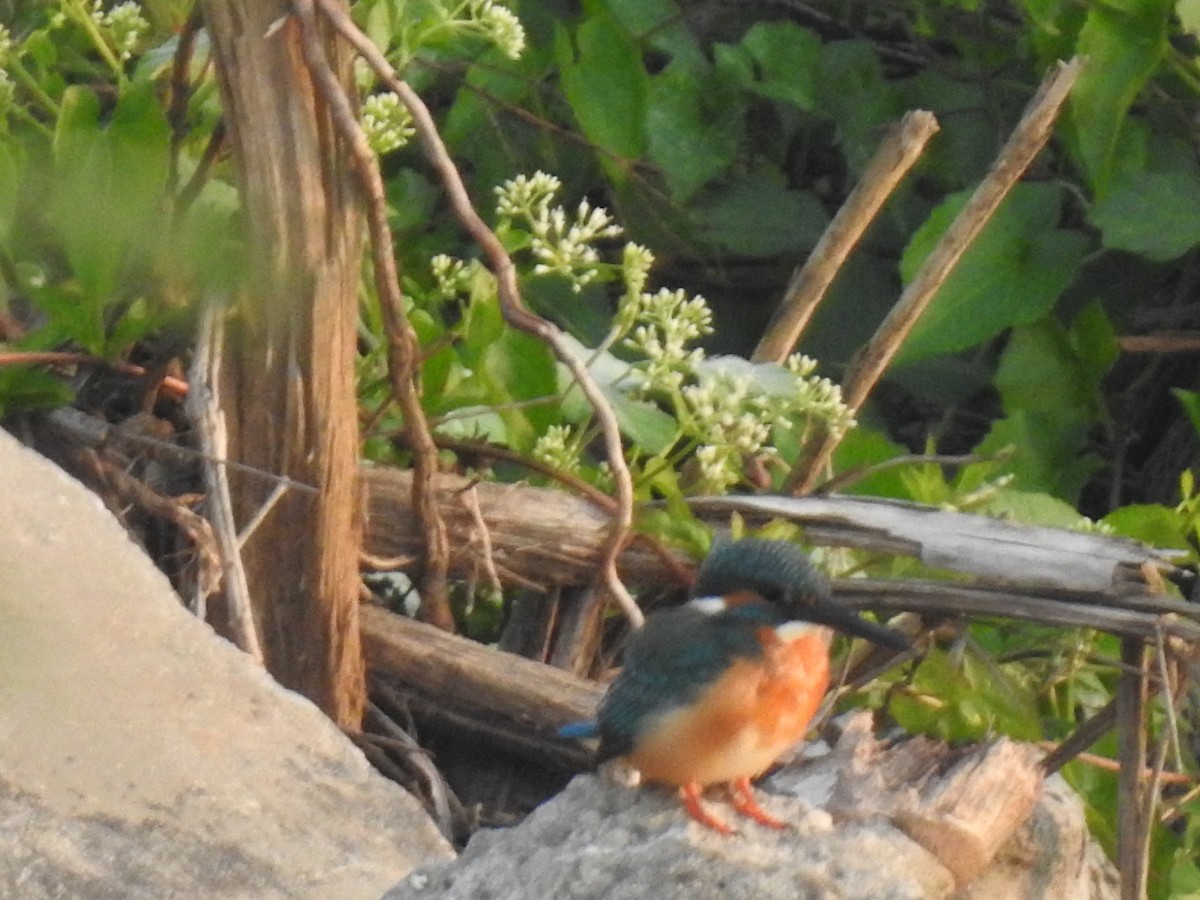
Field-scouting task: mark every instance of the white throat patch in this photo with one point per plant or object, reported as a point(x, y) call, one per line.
point(790, 631)
point(710, 606)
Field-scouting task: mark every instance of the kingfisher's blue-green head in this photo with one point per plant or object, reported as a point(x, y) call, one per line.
point(781, 573)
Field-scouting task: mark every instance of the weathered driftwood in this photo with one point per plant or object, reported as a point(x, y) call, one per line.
point(962, 805)
point(539, 537)
point(992, 549)
point(499, 697)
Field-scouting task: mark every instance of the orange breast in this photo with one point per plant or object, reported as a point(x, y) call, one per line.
point(745, 720)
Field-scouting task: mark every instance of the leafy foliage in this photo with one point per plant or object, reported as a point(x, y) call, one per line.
point(719, 145)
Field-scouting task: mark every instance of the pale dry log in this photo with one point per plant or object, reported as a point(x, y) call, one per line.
point(497, 697)
point(539, 537)
point(997, 551)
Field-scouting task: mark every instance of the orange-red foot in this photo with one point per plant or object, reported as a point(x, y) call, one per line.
point(744, 802)
point(691, 802)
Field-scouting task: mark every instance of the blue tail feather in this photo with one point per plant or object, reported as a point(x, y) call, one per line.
point(579, 730)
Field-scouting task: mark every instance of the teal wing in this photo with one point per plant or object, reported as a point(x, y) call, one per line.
point(671, 661)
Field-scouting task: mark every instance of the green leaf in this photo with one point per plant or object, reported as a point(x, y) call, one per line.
point(853, 92)
point(1190, 401)
point(643, 423)
point(693, 125)
point(26, 387)
point(1154, 214)
point(606, 85)
point(1123, 42)
point(965, 700)
point(1094, 343)
point(471, 423)
point(108, 191)
point(519, 367)
point(1048, 428)
point(788, 58)
point(1149, 522)
point(1011, 275)
point(864, 449)
point(1032, 508)
point(1189, 16)
point(755, 216)
point(661, 24)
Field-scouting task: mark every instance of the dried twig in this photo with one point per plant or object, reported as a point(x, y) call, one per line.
point(1084, 736)
point(1113, 765)
point(471, 502)
point(195, 527)
point(1131, 747)
point(403, 346)
point(901, 147)
point(1026, 141)
point(174, 386)
point(441, 798)
point(512, 306)
point(204, 409)
point(180, 91)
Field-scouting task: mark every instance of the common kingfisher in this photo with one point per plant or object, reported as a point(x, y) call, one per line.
point(715, 691)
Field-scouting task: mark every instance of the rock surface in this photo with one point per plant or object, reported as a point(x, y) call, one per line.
point(600, 840)
point(141, 756)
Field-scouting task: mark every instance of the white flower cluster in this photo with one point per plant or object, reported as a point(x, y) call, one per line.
point(561, 245)
point(636, 262)
point(496, 23)
point(667, 322)
point(387, 122)
point(728, 409)
point(817, 398)
point(6, 44)
point(557, 449)
point(453, 276)
point(124, 24)
point(526, 196)
point(564, 247)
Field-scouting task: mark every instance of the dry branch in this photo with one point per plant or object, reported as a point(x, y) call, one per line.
point(505, 699)
point(208, 421)
point(901, 148)
point(1023, 145)
point(1047, 575)
point(1131, 785)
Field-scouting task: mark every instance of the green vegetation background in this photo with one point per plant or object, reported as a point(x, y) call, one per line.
point(722, 137)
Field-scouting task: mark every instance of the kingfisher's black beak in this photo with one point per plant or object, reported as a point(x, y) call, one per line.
point(825, 610)
point(782, 573)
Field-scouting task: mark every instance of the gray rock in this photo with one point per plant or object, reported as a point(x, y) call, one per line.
point(141, 756)
point(602, 840)
point(599, 840)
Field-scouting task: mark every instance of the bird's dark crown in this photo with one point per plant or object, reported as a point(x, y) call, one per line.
point(781, 573)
